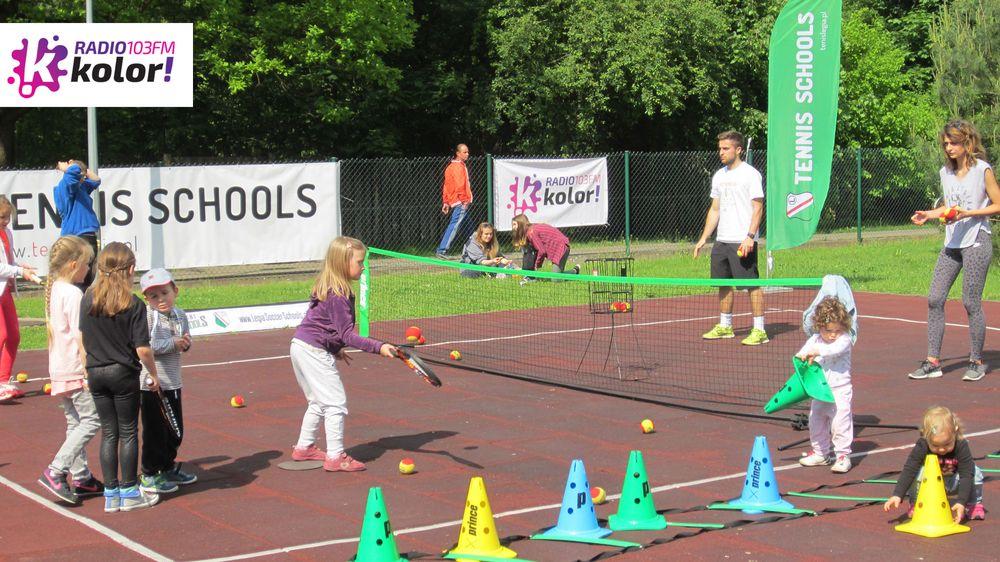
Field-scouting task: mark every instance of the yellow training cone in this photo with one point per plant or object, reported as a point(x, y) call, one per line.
point(479, 535)
point(932, 516)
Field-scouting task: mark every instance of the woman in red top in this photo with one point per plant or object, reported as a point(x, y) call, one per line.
point(542, 241)
point(10, 333)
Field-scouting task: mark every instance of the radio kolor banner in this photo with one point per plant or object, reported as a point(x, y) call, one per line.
point(560, 192)
point(96, 65)
point(198, 216)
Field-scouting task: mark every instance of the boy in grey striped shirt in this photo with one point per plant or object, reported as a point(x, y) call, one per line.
point(169, 336)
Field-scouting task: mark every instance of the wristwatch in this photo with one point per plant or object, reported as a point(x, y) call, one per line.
point(750, 235)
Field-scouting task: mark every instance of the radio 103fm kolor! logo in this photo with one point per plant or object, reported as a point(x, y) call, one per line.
point(46, 63)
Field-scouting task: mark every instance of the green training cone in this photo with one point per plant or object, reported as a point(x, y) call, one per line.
point(377, 541)
point(636, 511)
point(807, 381)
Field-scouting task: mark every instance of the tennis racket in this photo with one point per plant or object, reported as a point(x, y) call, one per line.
point(167, 411)
point(417, 366)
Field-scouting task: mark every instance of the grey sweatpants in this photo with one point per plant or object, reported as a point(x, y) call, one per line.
point(974, 262)
point(82, 424)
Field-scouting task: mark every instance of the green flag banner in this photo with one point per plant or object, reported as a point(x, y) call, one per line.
point(803, 87)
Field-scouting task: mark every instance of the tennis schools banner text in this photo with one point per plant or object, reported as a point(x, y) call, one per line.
point(560, 192)
point(96, 65)
point(803, 86)
point(198, 216)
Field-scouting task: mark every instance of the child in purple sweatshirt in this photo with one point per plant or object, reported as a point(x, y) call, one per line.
point(541, 241)
point(319, 342)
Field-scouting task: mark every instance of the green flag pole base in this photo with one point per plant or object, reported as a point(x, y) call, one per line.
point(879, 481)
point(571, 538)
point(696, 525)
point(739, 507)
point(993, 470)
point(828, 497)
point(481, 557)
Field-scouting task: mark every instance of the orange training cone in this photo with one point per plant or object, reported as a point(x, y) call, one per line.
point(478, 537)
point(932, 516)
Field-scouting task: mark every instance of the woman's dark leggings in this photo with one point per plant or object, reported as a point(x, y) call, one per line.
point(115, 389)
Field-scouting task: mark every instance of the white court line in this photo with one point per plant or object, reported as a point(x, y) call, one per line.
point(106, 531)
point(678, 485)
point(923, 322)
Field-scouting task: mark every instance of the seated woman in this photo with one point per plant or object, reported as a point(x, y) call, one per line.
point(482, 249)
point(539, 242)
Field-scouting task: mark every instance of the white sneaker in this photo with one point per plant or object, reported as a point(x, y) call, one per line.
point(842, 466)
point(815, 459)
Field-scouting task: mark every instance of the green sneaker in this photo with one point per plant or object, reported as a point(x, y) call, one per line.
point(719, 332)
point(756, 337)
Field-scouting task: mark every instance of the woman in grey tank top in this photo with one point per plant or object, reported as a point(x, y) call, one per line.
point(971, 196)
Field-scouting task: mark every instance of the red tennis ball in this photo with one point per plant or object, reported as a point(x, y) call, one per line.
point(237, 401)
point(412, 334)
point(406, 466)
point(421, 341)
point(598, 495)
point(455, 355)
point(47, 389)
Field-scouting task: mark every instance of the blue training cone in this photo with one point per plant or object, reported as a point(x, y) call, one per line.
point(577, 519)
point(760, 488)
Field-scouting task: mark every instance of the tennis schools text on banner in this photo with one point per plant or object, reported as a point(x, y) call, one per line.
point(560, 192)
point(803, 86)
point(198, 216)
point(96, 65)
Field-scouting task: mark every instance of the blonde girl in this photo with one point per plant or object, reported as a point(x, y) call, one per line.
point(319, 342)
point(69, 263)
point(10, 332)
point(941, 435)
point(482, 249)
point(116, 342)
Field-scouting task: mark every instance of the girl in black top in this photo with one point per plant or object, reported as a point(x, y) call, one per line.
point(942, 436)
point(115, 341)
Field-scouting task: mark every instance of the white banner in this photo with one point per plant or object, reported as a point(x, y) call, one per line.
point(96, 65)
point(198, 216)
point(247, 318)
point(560, 192)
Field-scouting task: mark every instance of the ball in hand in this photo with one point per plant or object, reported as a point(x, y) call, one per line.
point(455, 355)
point(647, 425)
point(47, 389)
point(413, 334)
point(739, 252)
point(237, 401)
point(406, 466)
point(598, 495)
point(22, 377)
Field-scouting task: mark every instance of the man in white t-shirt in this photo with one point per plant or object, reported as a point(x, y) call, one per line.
point(737, 209)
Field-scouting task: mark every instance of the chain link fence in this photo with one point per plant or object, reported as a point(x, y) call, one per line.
point(656, 199)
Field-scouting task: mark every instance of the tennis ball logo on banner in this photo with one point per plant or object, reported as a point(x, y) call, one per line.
point(108, 65)
point(799, 206)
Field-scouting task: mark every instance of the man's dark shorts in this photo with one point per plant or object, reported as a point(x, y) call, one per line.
point(727, 265)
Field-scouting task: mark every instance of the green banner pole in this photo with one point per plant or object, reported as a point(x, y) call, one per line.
point(628, 207)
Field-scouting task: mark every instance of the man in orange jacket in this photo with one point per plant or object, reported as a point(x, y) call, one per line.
point(456, 196)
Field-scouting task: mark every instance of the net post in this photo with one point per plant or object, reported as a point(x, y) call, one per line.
point(364, 286)
point(628, 205)
point(489, 188)
point(858, 158)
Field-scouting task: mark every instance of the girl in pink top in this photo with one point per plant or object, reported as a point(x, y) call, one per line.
point(69, 263)
point(543, 241)
point(10, 332)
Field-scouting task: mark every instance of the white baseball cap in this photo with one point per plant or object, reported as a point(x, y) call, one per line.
point(155, 278)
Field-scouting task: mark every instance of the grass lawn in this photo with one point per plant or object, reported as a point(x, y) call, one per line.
point(897, 266)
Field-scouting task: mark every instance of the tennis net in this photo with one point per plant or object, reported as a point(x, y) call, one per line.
point(603, 330)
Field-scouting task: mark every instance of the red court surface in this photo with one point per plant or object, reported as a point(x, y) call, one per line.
point(519, 436)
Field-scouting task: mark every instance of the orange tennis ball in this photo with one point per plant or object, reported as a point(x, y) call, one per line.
point(421, 341)
point(406, 466)
point(598, 495)
point(412, 334)
point(455, 355)
point(647, 425)
point(22, 377)
point(47, 389)
point(237, 401)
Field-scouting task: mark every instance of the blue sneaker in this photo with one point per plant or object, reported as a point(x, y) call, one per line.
point(111, 500)
point(177, 476)
point(135, 498)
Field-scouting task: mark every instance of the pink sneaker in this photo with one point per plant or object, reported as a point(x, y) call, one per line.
point(976, 512)
point(7, 392)
point(310, 453)
point(343, 463)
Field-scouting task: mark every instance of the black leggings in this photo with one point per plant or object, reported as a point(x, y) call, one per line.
point(115, 389)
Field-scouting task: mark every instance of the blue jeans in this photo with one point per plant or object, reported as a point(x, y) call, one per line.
point(950, 485)
point(457, 214)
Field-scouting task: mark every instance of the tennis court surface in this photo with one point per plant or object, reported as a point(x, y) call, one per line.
point(520, 437)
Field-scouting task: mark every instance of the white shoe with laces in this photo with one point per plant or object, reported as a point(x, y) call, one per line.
point(815, 459)
point(842, 466)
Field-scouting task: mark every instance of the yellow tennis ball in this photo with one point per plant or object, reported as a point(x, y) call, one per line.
point(47, 389)
point(455, 355)
point(598, 495)
point(237, 401)
point(406, 466)
point(22, 377)
point(647, 425)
